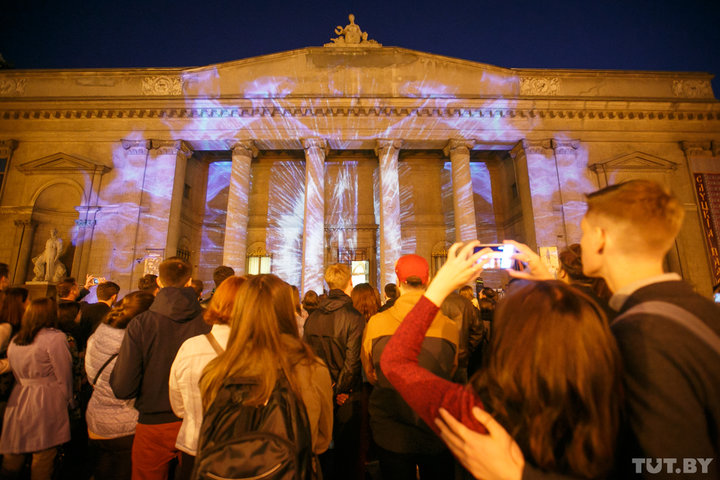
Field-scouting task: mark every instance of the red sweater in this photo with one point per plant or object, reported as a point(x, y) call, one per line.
point(421, 389)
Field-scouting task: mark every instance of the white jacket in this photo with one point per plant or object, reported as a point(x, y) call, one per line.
point(194, 354)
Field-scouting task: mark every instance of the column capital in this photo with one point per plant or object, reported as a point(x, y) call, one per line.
point(459, 145)
point(136, 147)
point(7, 147)
point(700, 149)
point(531, 147)
point(316, 142)
point(384, 144)
point(245, 148)
point(564, 147)
point(171, 147)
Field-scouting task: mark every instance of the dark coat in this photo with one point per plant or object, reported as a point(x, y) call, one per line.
point(334, 332)
point(152, 339)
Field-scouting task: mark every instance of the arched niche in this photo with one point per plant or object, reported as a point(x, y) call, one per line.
point(54, 206)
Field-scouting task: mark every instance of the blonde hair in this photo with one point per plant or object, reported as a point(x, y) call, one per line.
point(338, 276)
point(263, 340)
point(647, 211)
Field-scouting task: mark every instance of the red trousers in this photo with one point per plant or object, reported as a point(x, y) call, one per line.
point(153, 449)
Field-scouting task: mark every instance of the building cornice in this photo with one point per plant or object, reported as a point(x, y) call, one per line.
point(430, 109)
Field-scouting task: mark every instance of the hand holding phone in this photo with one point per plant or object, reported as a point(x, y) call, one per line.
point(536, 269)
point(499, 257)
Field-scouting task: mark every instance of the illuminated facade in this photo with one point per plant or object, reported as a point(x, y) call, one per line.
point(346, 152)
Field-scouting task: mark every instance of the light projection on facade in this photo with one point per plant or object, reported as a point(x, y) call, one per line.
point(349, 152)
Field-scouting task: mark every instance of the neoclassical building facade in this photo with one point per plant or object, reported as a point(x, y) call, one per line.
point(352, 152)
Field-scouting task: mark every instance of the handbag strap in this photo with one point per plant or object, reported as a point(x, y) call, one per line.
point(103, 368)
point(680, 316)
point(216, 346)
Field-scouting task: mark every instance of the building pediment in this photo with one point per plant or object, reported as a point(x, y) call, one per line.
point(61, 163)
point(635, 161)
point(350, 72)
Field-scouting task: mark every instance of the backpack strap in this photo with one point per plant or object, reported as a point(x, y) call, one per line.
point(678, 315)
point(214, 343)
point(112, 357)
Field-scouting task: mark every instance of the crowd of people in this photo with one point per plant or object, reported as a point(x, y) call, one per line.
point(608, 369)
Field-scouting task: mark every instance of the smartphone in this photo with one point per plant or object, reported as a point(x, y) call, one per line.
point(500, 258)
point(96, 281)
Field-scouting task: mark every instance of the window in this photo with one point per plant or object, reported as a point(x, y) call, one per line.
point(258, 264)
point(360, 271)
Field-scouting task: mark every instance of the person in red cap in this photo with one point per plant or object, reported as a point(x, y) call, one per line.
point(406, 444)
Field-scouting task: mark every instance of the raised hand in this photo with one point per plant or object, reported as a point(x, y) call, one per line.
point(461, 267)
point(536, 268)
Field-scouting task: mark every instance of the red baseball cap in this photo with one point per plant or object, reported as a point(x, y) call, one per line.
point(412, 265)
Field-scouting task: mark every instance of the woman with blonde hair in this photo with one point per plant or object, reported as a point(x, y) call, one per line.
point(263, 346)
point(192, 357)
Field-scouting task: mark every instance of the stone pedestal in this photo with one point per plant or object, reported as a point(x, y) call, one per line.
point(40, 290)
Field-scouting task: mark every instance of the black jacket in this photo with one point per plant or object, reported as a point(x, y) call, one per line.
point(334, 332)
point(152, 339)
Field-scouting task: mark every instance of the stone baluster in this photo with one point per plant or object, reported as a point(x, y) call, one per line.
point(390, 234)
point(463, 202)
point(314, 224)
point(235, 244)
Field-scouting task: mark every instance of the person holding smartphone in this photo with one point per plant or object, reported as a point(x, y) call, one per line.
point(564, 420)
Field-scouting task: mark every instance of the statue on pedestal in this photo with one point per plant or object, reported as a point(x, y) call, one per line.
point(351, 36)
point(48, 267)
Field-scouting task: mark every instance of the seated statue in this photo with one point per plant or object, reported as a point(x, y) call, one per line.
point(47, 265)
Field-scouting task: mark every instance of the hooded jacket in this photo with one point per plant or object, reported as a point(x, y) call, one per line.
point(334, 332)
point(152, 339)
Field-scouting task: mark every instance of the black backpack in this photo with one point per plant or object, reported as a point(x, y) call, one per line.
point(271, 441)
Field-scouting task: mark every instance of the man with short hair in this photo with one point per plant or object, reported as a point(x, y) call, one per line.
point(405, 442)
point(93, 313)
point(148, 283)
point(68, 290)
point(391, 294)
point(334, 332)
point(671, 374)
point(219, 275)
point(142, 369)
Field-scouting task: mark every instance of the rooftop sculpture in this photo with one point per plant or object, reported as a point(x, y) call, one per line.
point(351, 36)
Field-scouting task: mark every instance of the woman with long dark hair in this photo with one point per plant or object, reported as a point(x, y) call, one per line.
point(263, 345)
point(36, 419)
point(110, 421)
point(552, 380)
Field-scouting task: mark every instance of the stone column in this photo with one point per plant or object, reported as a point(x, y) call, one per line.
point(236, 224)
point(463, 202)
point(314, 223)
point(390, 234)
point(166, 189)
point(131, 249)
point(572, 185)
point(24, 234)
point(537, 180)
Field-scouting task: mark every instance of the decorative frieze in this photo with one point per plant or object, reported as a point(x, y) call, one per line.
point(12, 87)
point(355, 111)
point(701, 149)
point(546, 86)
point(162, 85)
point(85, 223)
point(692, 88)
point(564, 147)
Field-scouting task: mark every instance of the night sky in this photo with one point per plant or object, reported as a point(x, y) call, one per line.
point(622, 35)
